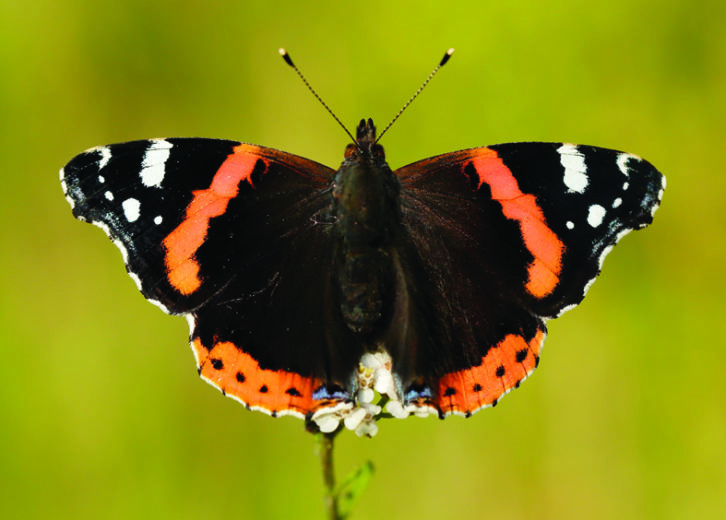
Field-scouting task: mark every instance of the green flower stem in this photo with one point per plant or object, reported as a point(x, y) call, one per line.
point(325, 452)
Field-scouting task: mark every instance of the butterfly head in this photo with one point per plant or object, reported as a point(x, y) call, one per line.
point(365, 143)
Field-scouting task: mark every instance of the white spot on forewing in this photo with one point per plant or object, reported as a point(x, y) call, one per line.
point(132, 209)
point(108, 195)
point(573, 162)
point(570, 225)
point(622, 162)
point(625, 186)
point(154, 164)
point(595, 215)
point(158, 220)
point(101, 179)
point(105, 157)
point(617, 202)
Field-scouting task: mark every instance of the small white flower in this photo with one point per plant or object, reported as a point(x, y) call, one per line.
point(374, 375)
point(366, 395)
point(354, 419)
point(327, 423)
point(367, 428)
point(395, 408)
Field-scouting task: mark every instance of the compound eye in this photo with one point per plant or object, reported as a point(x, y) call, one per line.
point(378, 151)
point(349, 150)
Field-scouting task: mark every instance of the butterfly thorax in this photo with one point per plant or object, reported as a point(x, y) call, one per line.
point(366, 215)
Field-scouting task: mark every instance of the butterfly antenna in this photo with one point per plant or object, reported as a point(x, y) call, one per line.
point(288, 60)
point(433, 73)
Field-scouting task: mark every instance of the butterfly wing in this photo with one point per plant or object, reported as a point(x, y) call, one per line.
point(503, 238)
point(222, 232)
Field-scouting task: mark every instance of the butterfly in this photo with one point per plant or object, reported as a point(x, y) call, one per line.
point(336, 295)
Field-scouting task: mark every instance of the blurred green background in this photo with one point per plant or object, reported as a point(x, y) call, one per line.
point(101, 412)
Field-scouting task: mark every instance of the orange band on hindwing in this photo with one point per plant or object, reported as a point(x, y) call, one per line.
point(504, 367)
point(238, 375)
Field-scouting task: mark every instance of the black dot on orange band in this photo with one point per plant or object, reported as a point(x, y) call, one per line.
point(477, 387)
point(450, 391)
point(263, 389)
point(240, 377)
point(521, 355)
point(217, 364)
point(293, 392)
point(500, 371)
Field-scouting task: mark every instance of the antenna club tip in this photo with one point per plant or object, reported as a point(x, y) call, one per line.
point(285, 56)
point(446, 57)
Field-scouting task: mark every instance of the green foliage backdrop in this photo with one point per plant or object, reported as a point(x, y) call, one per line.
point(101, 412)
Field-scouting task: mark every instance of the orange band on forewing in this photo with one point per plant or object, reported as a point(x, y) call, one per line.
point(182, 244)
point(538, 238)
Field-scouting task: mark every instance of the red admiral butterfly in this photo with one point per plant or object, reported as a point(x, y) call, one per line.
point(307, 289)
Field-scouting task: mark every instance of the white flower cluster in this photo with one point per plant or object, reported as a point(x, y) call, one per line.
point(374, 375)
